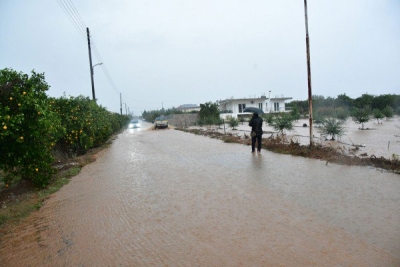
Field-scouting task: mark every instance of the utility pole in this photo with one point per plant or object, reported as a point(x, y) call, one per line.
point(309, 76)
point(91, 66)
point(120, 102)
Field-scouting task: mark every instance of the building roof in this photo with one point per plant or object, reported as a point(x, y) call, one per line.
point(281, 98)
point(187, 106)
point(253, 99)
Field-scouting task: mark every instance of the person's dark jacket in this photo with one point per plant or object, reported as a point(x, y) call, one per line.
point(256, 124)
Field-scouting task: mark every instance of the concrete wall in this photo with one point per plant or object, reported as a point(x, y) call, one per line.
point(183, 120)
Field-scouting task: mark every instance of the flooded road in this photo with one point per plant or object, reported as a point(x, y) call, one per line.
point(168, 198)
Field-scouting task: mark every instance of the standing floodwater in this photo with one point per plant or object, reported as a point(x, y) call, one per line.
point(168, 198)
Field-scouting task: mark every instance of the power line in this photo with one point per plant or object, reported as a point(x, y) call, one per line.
point(72, 19)
point(76, 19)
point(72, 13)
point(75, 11)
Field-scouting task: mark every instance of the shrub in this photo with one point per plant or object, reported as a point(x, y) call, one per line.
point(333, 127)
point(388, 112)
point(282, 122)
point(87, 125)
point(233, 122)
point(342, 113)
point(220, 122)
point(295, 114)
point(361, 116)
point(208, 113)
point(377, 114)
point(29, 127)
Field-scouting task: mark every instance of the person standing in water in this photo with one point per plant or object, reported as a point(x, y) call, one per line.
point(256, 132)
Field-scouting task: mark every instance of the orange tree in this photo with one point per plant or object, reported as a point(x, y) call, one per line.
point(76, 117)
point(29, 127)
point(86, 124)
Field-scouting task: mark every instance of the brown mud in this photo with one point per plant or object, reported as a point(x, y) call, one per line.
point(20, 199)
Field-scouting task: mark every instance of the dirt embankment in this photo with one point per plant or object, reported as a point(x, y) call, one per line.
point(21, 198)
point(278, 144)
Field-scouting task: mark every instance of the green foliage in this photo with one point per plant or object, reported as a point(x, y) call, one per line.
point(151, 115)
point(382, 101)
point(333, 127)
point(317, 117)
point(220, 122)
point(388, 112)
point(361, 116)
point(87, 125)
point(363, 102)
point(29, 127)
point(233, 122)
point(269, 117)
point(342, 113)
point(320, 113)
point(32, 124)
point(343, 101)
point(377, 114)
point(295, 113)
point(301, 106)
point(282, 122)
point(209, 113)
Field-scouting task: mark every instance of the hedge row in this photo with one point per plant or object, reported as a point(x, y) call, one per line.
point(33, 124)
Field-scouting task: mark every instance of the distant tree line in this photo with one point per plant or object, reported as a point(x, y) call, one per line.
point(345, 103)
point(152, 114)
point(342, 107)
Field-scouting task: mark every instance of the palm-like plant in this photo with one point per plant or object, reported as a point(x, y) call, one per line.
point(282, 122)
point(332, 127)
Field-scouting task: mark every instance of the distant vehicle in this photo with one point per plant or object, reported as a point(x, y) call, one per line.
point(160, 122)
point(134, 124)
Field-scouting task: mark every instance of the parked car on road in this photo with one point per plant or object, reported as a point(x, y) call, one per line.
point(160, 122)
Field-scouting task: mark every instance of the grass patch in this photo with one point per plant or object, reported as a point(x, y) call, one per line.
point(21, 199)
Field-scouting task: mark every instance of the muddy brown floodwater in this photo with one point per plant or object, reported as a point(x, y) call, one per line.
point(169, 198)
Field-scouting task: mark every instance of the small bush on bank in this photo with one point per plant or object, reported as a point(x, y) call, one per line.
point(233, 122)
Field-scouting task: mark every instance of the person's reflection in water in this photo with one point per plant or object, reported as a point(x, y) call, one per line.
point(257, 162)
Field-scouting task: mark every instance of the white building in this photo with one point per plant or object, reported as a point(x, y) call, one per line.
point(234, 107)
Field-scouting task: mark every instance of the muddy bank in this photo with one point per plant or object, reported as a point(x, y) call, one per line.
point(331, 154)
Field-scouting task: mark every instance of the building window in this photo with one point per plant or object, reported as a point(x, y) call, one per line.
point(241, 107)
point(260, 106)
point(276, 106)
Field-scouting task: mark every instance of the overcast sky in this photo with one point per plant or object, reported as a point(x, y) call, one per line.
point(164, 53)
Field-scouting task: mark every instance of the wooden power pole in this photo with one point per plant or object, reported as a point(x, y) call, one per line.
point(309, 77)
point(91, 65)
